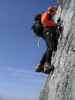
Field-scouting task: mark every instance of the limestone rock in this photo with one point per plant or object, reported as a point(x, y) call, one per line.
point(61, 84)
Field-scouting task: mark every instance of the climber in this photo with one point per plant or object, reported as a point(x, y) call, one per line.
point(46, 28)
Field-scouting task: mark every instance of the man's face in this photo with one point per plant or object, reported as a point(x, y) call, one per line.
point(51, 13)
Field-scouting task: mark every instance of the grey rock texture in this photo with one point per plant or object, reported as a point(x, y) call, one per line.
point(61, 84)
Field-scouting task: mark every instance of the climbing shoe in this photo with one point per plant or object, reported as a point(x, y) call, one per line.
point(49, 70)
point(40, 68)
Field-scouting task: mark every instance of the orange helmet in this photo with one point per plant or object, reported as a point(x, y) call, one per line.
point(52, 9)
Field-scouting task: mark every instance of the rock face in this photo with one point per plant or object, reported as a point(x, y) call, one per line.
point(61, 85)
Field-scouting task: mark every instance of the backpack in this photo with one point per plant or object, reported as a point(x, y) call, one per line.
point(37, 26)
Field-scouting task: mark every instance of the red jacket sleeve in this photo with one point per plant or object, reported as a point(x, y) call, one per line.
point(46, 21)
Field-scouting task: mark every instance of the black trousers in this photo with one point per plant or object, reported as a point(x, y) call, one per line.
point(50, 38)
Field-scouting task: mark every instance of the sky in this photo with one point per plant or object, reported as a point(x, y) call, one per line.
point(19, 54)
